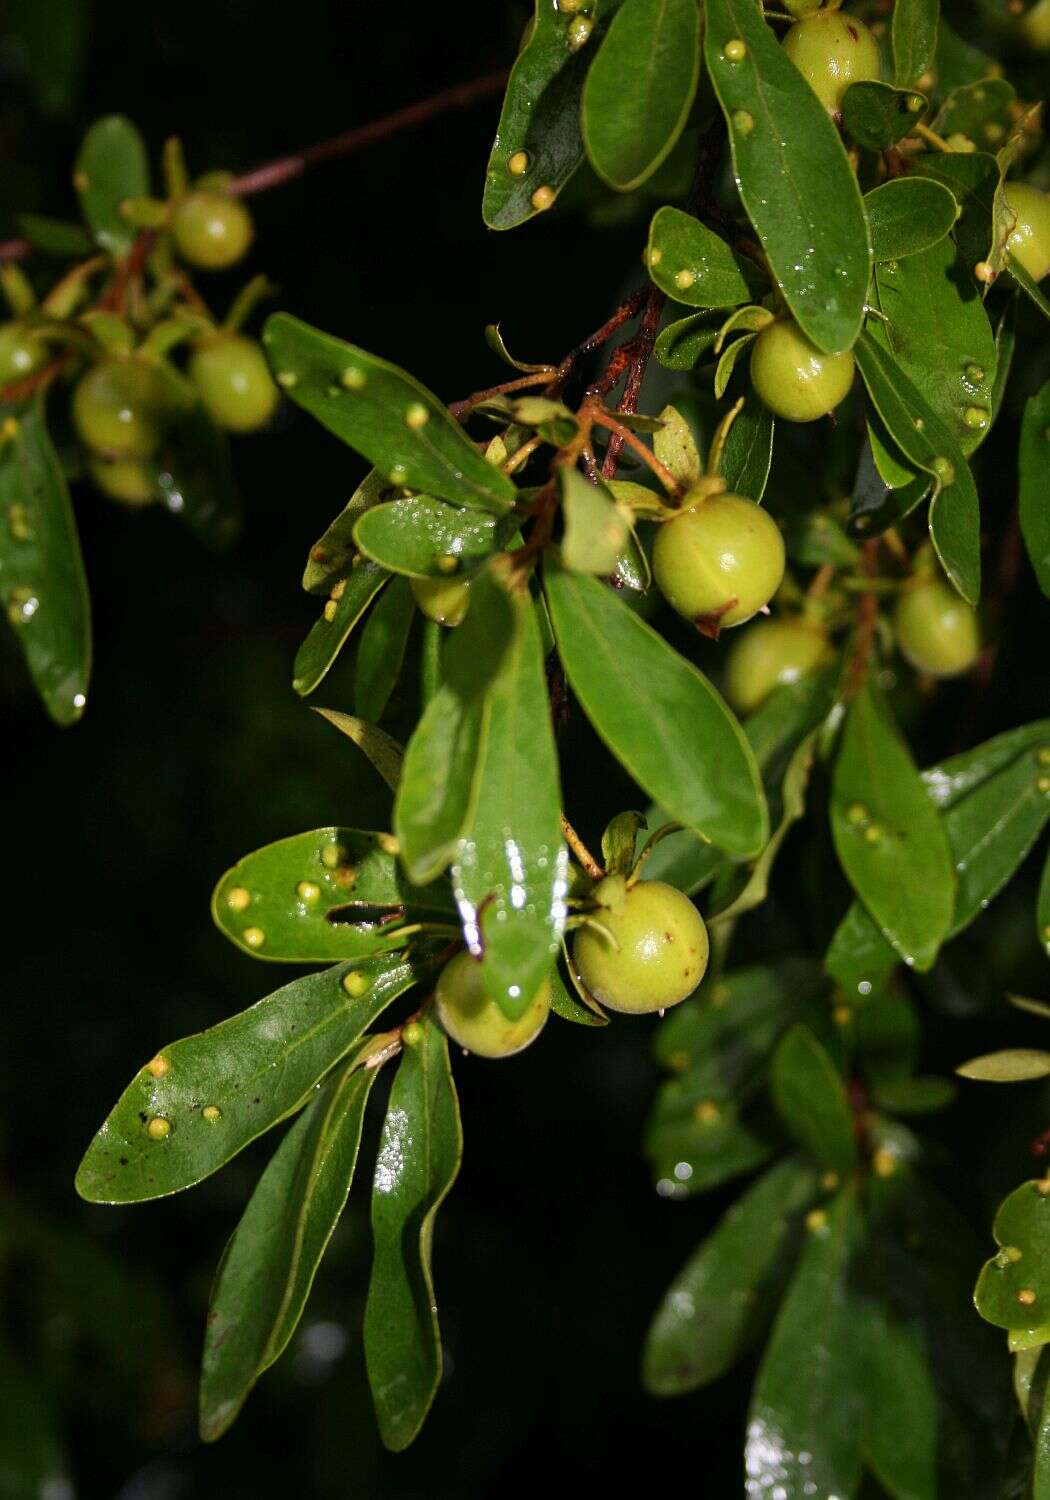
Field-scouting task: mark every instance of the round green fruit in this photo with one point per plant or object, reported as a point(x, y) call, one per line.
point(211, 230)
point(793, 377)
point(719, 560)
point(1029, 240)
point(20, 353)
point(234, 382)
point(474, 1020)
point(772, 654)
point(128, 480)
point(1035, 26)
point(442, 599)
point(831, 50)
point(121, 408)
point(653, 949)
point(937, 631)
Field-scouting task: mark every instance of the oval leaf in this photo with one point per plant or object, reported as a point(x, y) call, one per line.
point(914, 38)
point(694, 265)
point(809, 1093)
point(381, 651)
point(111, 166)
point(349, 599)
point(877, 115)
point(418, 535)
point(907, 215)
point(596, 530)
point(1013, 1289)
point(1012, 1065)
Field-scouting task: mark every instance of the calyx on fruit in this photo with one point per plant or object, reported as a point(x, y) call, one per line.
point(793, 377)
point(647, 948)
point(473, 1019)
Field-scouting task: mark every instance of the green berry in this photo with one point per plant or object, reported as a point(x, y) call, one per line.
point(1029, 240)
point(937, 630)
point(719, 560)
point(442, 599)
point(234, 382)
point(474, 1020)
point(832, 49)
point(128, 480)
point(211, 230)
point(793, 377)
point(652, 952)
point(1035, 26)
point(772, 654)
point(121, 408)
point(20, 353)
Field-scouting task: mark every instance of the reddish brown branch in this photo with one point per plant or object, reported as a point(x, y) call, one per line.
point(641, 349)
point(867, 616)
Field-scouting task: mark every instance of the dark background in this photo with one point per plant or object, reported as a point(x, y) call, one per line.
point(553, 1248)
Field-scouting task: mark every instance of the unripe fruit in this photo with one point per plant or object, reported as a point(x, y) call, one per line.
point(121, 407)
point(125, 479)
point(772, 654)
point(1029, 240)
point(20, 353)
point(234, 382)
point(211, 230)
point(718, 561)
point(937, 630)
point(474, 1020)
point(1035, 26)
point(793, 377)
point(442, 599)
point(832, 50)
point(658, 948)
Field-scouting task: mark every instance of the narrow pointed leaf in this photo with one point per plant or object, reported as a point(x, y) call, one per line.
point(1012, 1065)
point(686, 751)
point(381, 651)
point(42, 583)
point(418, 1160)
point(914, 38)
point(332, 555)
point(691, 1155)
point(419, 535)
point(1031, 289)
point(683, 344)
point(889, 836)
point(991, 831)
point(351, 597)
point(876, 115)
point(790, 164)
point(322, 896)
point(719, 1303)
point(565, 1004)
point(254, 1069)
point(269, 1265)
point(692, 264)
point(1013, 1289)
point(1034, 501)
point(384, 414)
point(383, 751)
point(596, 530)
point(111, 166)
point(810, 1095)
point(748, 453)
point(907, 215)
point(900, 1437)
point(949, 781)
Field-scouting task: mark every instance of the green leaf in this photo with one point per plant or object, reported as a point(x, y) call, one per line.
point(675, 447)
point(694, 265)
point(382, 649)
point(805, 1426)
point(992, 830)
point(1042, 909)
point(54, 236)
point(948, 782)
point(859, 957)
point(417, 536)
point(887, 1037)
point(332, 555)
point(615, 663)
point(111, 166)
point(1012, 1065)
point(42, 581)
point(722, 1299)
point(790, 164)
point(877, 115)
point(596, 529)
point(967, 108)
point(540, 119)
point(619, 840)
point(809, 1093)
point(972, 178)
point(566, 1005)
point(1034, 500)
point(692, 1154)
point(683, 344)
point(639, 89)
point(914, 38)
point(728, 362)
point(350, 597)
point(509, 865)
point(748, 453)
point(254, 1069)
point(322, 896)
point(33, 1463)
point(384, 753)
point(196, 482)
point(1013, 1289)
point(418, 1160)
point(888, 835)
point(907, 215)
point(269, 1265)
point(900, 1435)
point(384, 414)
point(911, 1096)
point(954, 510)
point(1031, 290)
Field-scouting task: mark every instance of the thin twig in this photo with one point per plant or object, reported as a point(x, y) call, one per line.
point(626, 436)
point(584, 856)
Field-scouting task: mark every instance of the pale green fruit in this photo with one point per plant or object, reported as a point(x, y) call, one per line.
point(474, 1020)
point(832, 49)
point(793, 377)
point(653, 950)
point(442, 599)
point(719, 561)
point(1029, 240)
point(772, 654)
point(937, 631)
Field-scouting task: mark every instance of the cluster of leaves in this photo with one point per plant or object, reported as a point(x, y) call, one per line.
point(140, 427)
point(530, 563)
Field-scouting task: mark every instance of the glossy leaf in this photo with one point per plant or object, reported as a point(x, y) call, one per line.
point(1042, 909)
point(382, 649)
point(949, 781)
point(1013, 1289)
point(1031, 289)
point(790, 164)
point(351, 596)
point(639, 89)
point(971, 105)
point(596, 529)
point(565, 1004)
point(111, 166)
point(888, 834)
point(1034, 497)
point(813, 1406)
point(675, 447)
point(254, 1069)
point(1012, 1065)
point(696, 1153)
point(384, 414)
point(810, 1095)
point(382, 751)
point(196, 481)
point(683, 344)
point(992, 830)
point(748, 452)
point(908, 215)
point(42, 581)
point(615, 662)
point(419, 535)
point(269, 1265)
point(694, 265)
point(332, 555)
point(972, 178)
point(540, 120)
point(914, 38)
point(295, 901)
point(719, 1303)
point(419, 1155)
point(877, 115)
point(954, 510)
point(900, 1438)
point(619, 841)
